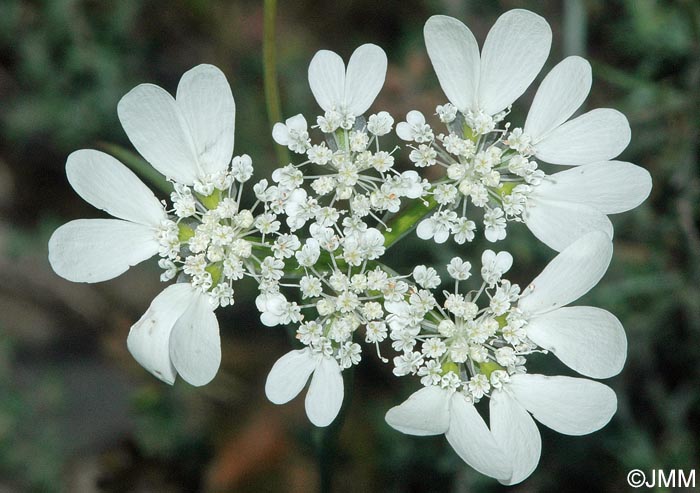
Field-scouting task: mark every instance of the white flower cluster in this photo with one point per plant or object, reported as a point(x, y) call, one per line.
point(349, 164)
point(464, 352)
point(316, 236)
point(209, 241)
point(457, 344)
point(352, 184)
point(495, 166)
point(487, 166)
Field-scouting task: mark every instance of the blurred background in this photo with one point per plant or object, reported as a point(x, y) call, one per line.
point(78, 414)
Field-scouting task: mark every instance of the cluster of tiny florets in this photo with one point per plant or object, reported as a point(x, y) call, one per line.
point(208, 239)
point(334, 199)
point(486, 164)
point(458, 344)
point(349, 165)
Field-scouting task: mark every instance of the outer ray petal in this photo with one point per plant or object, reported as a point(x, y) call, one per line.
point(561, 93)
point(206, 103)
point(280, 134)
point(598, 135)
point(572, 406)
point(94, 250)
point(107, 184)
point(514, 52)
point(473, 442)
point(157, 129)
point(149, 338)
point(327, 79)
point(516, 433)
point(195, 345)
point(609, 186)
point(559, 223)
point(455, 56)
point(587, 339)
point(425, 412)
point(289, 375)
point(365, 78)
point(570, 275)
point(325, 395)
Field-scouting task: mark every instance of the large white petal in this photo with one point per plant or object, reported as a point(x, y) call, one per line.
point(562, 91)
point(473, 442)
point(570, 275)
point(205, 100)
point(589, 340)
point(110, 186)
point(513, 54)
point(325, 395)
point(289, 375)
point(598, 135)
point(557, 224)
point(155, 126)
point(516, 433)
point(455, 56)
point(365, 78)
point(425, 412)
point(94, 250)
point(149, 338)
point(327, 79)
point(572, 406)
point(195, 344)
point(609, 186)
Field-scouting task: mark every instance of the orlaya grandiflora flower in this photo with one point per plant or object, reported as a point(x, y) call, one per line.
point(345, 94)
point(589, 340)
point(481, 86)
point(189, 139)
point(513, 54)
point(289, 375)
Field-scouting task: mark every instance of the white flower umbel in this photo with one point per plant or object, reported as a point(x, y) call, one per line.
point(203, 241)
point(352, 184)
point(348, 165)
point(483, 353)
point(493, 165)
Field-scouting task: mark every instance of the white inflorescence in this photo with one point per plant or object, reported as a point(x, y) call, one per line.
point(352, 183)
point(349, 166)
point(210, 239)
point(315, 236)
point(460, 344)
point(485, 164)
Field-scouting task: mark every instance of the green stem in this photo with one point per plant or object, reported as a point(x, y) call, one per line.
point(272, 95)
point(407, 219)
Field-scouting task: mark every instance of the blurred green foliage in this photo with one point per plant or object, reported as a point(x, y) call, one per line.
point(64, 64)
